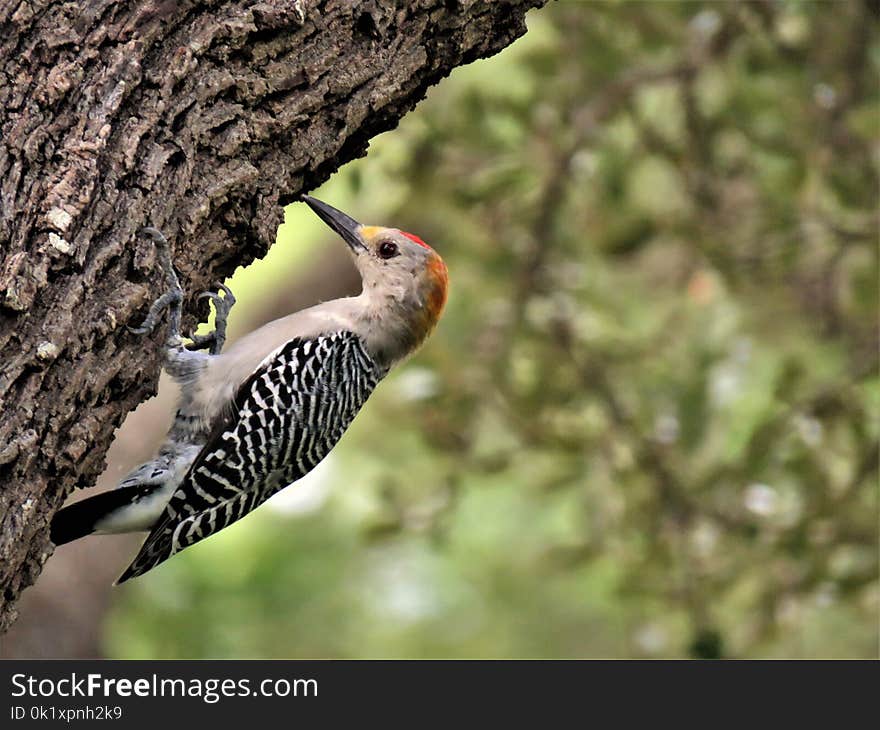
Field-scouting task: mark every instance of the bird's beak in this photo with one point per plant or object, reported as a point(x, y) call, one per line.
point(344, 225)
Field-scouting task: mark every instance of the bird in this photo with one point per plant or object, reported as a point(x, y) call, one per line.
point(257, 416)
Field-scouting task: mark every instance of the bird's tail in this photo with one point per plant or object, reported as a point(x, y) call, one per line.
point(82, 518)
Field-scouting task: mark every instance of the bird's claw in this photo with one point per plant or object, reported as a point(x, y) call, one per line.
point(225, 302)
point(169, 300)
point(172, 300)
point(173, 296)
point(214, 341)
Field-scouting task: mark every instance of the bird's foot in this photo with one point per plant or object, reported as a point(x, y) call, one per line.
point(171, 300)
point(214, 341)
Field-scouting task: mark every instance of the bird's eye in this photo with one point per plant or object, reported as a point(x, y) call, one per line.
point(387, 249)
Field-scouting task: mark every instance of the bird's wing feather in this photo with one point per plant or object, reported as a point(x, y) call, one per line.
point(286, 417)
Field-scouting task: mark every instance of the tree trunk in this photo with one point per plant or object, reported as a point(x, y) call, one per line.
point(202, 119)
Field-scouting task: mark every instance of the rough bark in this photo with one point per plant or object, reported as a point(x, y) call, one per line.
point(202, 119)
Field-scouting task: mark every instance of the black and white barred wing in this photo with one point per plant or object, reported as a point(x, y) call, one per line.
point(286, 418)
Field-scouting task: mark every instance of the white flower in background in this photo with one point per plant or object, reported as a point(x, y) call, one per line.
point(416, 383)
point(666, 428)
point(761, 499)
point(809, 429)
point(651, 638)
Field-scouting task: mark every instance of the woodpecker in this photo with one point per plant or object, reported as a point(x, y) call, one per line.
point(260, 415)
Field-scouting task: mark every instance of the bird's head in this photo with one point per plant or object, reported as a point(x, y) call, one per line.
point(403, 277)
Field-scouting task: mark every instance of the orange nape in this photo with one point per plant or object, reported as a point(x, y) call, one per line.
point(440, 280)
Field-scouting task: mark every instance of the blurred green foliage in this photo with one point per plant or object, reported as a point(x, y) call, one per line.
point(647, 425)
